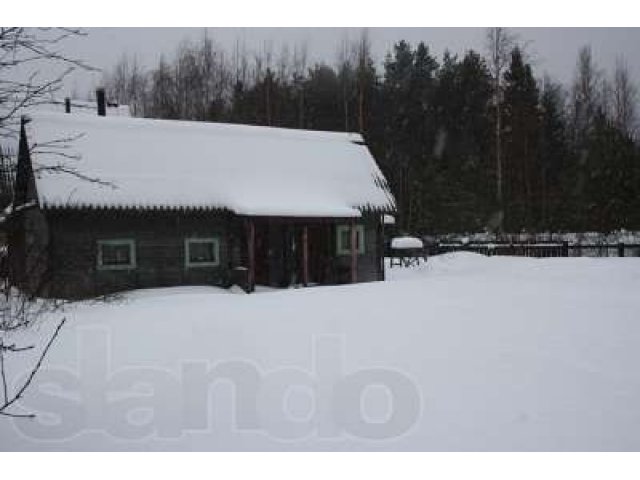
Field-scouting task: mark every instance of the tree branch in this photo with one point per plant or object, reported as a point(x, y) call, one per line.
point(32, 374)
point(4, 375)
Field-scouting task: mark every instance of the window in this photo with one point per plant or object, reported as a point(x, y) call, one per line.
point(202, 252)
point(344, 239)
point(116, 254)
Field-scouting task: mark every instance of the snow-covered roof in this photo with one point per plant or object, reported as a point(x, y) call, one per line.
point(179, 164)
point(402, 243)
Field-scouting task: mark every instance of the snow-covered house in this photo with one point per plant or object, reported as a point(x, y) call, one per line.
point(119, 203)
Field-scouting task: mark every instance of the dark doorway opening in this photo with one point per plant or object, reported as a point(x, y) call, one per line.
point(280, 255)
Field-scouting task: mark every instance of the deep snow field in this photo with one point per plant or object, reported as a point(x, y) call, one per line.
point(463, 353)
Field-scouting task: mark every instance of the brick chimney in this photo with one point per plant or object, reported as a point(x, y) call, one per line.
point(102, 103)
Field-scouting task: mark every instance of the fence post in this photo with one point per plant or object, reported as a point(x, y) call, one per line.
point(621, 249)
point(565, 249)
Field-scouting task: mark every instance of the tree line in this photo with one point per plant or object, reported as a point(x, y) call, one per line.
point(468, 142)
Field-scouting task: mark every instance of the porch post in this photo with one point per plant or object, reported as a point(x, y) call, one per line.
point(380, 248)
point(354, 252)
point(251, 248)
point(305, 255)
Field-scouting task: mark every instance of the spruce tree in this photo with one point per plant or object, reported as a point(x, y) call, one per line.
point(522, 173)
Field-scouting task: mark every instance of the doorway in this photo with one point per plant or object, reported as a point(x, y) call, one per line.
point(279, 253)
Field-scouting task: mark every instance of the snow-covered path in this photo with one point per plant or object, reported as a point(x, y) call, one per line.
point(464, 353)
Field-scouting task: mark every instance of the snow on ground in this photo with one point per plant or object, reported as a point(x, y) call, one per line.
point(463, 353)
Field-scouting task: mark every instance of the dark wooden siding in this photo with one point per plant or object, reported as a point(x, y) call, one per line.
point(28, 251)
point(160, 250)
point(159, 238)
point(369, 264)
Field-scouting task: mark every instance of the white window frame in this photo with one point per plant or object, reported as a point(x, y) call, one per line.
point(216, 250)
point(346, 249)
point(116, 242)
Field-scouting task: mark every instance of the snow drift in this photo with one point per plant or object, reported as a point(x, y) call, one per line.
point(463, 353)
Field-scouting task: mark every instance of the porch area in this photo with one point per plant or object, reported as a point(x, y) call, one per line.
point(282, 252)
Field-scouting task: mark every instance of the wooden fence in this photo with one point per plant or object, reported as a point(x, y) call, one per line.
point(538, 250)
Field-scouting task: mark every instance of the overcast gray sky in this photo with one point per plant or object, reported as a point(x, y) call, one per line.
point(553, 50)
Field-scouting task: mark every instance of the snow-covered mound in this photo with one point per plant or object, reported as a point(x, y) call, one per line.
point(462, 353)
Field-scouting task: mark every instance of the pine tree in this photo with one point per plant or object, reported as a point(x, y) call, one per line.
point(611, 192)
point(398, 137)
point(434, 128)
point(462, 189)
point(522, 174)
point(323, 108)
point(556, 166)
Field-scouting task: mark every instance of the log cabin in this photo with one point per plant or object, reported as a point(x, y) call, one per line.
point(109, 204)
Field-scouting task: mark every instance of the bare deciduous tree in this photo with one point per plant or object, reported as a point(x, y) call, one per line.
point(24, 52)
point(363, 55)
point(499, 45)
point(19, 312)
point(300, 54)
point(357, 74)
point(127, 84)
point(587, 94)
point(625, 97)
point(346, 72)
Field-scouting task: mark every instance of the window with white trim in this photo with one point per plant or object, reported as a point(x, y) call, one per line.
point(343, 239)
point(116, 254)
point(202, 252)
